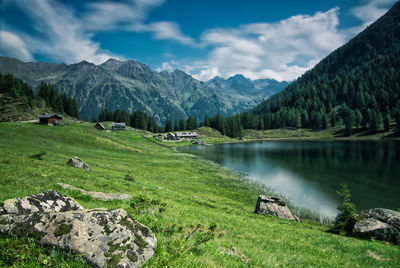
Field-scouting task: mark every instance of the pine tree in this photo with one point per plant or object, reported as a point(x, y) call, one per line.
point(168, 125)
point(386, 123)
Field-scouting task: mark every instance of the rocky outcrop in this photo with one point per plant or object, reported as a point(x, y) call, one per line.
point(49, 201)
point(378, 223)
point(274, 206)
point(106, 238)
point(78, 163)
point(98, 195)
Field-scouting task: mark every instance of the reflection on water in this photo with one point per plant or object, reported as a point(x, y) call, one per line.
point(309, 173)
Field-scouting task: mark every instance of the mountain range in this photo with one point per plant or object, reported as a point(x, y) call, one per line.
point(130, 85)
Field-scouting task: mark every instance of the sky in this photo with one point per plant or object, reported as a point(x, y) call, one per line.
point(205, 38)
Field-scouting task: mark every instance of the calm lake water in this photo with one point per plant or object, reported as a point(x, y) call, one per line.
point(310, 173)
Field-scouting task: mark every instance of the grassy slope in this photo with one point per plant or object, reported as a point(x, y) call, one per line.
point(195, 192)
point(332, 133)
point(13, 109)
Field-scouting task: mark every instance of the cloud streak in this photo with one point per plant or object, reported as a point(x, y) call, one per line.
point(13, 46)
point(62, 36)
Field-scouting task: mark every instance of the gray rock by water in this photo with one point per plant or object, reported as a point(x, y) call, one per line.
point(274, 206)
point(378, 223)
point(78, 163)
point(49, 201)
point(102, 236)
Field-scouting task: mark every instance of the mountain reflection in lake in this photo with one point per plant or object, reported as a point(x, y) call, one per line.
point(309, 173)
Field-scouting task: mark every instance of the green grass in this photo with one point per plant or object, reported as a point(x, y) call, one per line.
point(185, 201)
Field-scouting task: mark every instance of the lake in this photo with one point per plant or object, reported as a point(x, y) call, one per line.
point(310, 173)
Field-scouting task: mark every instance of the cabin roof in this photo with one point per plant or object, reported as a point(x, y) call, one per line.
point(186, 134)
point(98, 123)
point(46, 115)
point(122, 124)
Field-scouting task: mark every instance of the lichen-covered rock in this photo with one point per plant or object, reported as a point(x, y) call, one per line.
point(78, 163)
point(274, 206)
point(106, 238)
point(49, 201)
point(98, 195)
point(378, 223)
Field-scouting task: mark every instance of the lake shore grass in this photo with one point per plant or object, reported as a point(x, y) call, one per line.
point(198, 195)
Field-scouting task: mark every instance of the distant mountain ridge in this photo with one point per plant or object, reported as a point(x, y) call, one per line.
point(130, 85)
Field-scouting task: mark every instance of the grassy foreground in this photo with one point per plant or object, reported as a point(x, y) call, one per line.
point(183, 199)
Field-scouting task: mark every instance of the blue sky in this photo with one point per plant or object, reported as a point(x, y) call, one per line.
point(257, 38)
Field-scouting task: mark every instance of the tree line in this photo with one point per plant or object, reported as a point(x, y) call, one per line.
point(16, 88)
point(142, 120)
point(60, 103)
point(24, 92)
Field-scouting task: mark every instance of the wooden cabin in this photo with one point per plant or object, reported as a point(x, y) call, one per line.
point(171, 136)
point(50, 119)
point(186, 135)
point(99, 126)
point(118, 126)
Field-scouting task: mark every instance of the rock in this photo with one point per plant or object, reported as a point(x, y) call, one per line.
point(103, 237)
point(49, 201)
point(379, 223)
point(236, 253)
point(78, 163)
point(98, 195)
point(106, 238)
point(274, 206)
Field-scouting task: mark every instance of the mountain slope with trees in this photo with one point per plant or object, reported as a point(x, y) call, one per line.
point(19, 102)
point(358, 84)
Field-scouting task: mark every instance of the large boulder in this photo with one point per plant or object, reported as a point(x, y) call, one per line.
point(378, 223)
point(49, 201)
point(106, 238)
point(78, 163)
point(274, 206)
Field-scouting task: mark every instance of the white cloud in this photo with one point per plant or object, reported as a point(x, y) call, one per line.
point(371, 10)
point(167, 66)
point(129, 16)
point(169, 30)
point(165, 30)
point(112, 15)
point(12, 45)
point(282, 50)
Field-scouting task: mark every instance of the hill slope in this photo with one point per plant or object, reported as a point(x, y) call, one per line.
point(130, 85)
point(358, 83)
point(198, 196)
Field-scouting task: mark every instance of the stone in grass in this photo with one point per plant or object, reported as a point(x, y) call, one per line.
point(78, 163)
point(378, 223)
point(106, 238)
point(98, 195)
point(49, 201)
point(274, 206)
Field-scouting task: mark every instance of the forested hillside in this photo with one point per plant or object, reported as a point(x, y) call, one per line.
point(358, 84)
point(18, 101)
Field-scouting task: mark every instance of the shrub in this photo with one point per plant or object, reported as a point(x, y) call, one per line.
point(345, 220)
point(39, 156)
point(129, 177)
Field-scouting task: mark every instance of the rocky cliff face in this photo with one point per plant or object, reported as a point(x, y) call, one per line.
point(130, 85)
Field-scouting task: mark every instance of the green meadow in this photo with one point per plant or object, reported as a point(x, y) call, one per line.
point(197, 210)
